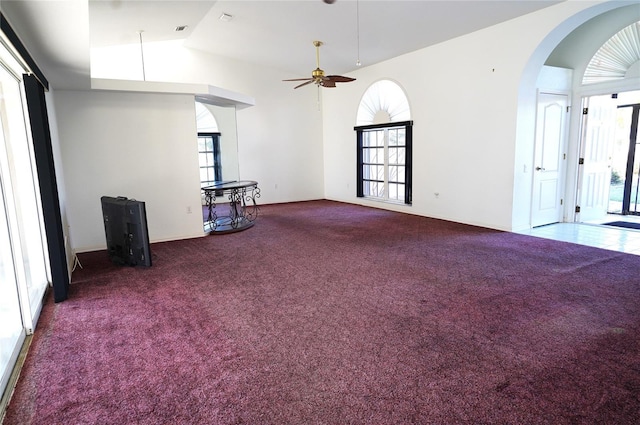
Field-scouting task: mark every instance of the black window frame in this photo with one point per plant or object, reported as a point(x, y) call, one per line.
point(217, 160)
point(408, 181)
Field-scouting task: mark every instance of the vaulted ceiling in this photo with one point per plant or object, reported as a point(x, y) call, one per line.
point(276, 34)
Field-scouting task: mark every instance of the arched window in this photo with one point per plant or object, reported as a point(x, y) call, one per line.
point(384, 138)
point(205, 120)
point(614, 59)
point(384, 101)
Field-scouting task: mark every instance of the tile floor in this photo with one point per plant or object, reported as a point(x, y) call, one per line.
point(606, 237)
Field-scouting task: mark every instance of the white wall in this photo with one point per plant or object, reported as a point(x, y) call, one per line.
point(464, 96)
point(142, 146)
point(279, 139)
point(470, 142)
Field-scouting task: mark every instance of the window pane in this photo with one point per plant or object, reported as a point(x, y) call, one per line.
point(201, 144)
point(373, 191)
point(401, 172)
point(393, 137)
point(393, 155)
point(381, 138)
point(373, 155)
point(393, 173)
point(393, 191)
point(401, 139)
point(379, 172)
point(366, 172)
point(203, 159)
point(400, 192)
point(370, 139)
point(380, 155)
point(402, 153)
point(209, 144)
point(203, 174)
point(366, 157)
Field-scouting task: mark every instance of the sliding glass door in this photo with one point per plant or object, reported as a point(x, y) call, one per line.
point(24, 266)
point(11, 329)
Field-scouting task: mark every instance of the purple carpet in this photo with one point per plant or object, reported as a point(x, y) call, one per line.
point(330, 313)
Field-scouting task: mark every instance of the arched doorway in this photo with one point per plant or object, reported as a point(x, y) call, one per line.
point(570, 45)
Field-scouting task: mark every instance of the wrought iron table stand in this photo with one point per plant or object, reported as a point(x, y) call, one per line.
point(243, 209)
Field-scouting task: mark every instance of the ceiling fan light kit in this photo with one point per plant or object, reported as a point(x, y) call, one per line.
point(317, 75)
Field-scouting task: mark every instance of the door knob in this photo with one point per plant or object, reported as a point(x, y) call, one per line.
point(539, 168)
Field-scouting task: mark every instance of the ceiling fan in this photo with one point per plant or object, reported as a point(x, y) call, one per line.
point(318, 77)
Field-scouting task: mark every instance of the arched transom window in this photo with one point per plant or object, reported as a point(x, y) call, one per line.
point(616, 57)
point(383, 102)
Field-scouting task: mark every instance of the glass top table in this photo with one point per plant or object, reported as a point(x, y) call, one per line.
point(240, 197)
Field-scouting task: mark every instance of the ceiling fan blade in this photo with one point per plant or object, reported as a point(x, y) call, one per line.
point(328, 83)
point(318, 77)
point(304, 84)
point(339, 78)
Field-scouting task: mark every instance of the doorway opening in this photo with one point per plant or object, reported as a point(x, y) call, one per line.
point(625, 163)
point(609, 183)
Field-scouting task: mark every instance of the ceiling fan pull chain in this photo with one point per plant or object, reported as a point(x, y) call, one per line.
point(358, 30)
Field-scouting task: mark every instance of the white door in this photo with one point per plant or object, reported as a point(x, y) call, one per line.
point(598, 132)
point(550, 158)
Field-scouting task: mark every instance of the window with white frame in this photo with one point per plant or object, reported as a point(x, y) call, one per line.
point(384, 161)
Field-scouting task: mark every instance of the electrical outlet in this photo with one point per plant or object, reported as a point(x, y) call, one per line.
point(189, 210)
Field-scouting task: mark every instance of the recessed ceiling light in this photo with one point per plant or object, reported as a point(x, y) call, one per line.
point(181, 28)
point(226, 17)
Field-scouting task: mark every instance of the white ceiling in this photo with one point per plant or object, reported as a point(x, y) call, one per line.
point(276, 34)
